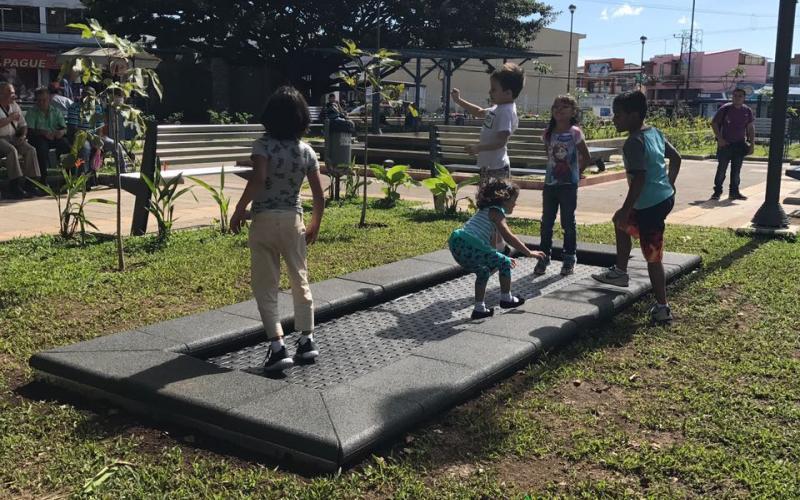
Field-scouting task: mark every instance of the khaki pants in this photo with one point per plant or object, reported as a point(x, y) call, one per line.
point(274, 235)
point(15, 149)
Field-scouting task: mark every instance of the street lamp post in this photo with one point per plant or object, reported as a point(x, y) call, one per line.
point(569, 59)
point(770, 216)
point(641, 64)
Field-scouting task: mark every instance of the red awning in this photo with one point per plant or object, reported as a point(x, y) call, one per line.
point(33, 59)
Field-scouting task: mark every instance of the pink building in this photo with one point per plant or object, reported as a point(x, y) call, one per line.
point(710, 78)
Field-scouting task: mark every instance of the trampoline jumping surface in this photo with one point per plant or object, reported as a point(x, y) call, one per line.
point(396, 347)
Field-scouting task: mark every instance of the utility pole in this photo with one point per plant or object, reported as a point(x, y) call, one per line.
point(691, 39)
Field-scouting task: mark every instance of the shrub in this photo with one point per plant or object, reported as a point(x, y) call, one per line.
point(445, 188)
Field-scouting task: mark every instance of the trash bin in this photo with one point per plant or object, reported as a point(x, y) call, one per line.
point(338, 142)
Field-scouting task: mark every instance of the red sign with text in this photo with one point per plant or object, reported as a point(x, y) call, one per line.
point(28, 59)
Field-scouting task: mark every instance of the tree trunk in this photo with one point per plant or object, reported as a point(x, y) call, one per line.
point(363, 221)
point(115, 138)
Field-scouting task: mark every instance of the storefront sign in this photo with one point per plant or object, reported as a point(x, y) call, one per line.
point(27, 59)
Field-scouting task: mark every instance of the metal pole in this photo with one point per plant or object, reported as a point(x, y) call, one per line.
point(569, 59)
point(641, 63)
point(771, 214)
point(691, 40)
point(376, 96)
point(447, 74)
point(417, 83)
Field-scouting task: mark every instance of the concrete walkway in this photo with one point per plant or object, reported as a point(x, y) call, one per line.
point(596, 203)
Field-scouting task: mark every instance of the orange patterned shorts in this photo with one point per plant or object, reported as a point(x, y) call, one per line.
point(647, 225)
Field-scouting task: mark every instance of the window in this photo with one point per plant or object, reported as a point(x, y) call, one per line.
point(58, 19)
point(751, 59)
point(19, 19)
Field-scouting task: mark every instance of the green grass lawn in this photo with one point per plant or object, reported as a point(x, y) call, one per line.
point(707, 407)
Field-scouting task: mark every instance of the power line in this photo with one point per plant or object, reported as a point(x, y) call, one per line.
point(681, 9)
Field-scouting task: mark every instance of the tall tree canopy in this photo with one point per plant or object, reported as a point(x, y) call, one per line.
point(270, 30)
point(278, 32)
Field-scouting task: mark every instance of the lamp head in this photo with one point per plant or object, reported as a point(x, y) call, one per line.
point(643, 39)
point(572, 8)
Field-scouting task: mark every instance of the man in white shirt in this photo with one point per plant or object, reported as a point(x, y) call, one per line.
point(20, 156)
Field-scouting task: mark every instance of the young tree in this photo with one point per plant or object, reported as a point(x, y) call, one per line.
point(369, 67)
point(116, 77)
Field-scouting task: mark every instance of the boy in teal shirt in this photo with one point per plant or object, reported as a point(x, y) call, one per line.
point(650, 198)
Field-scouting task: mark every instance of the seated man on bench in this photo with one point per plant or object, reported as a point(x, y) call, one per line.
point(77, 121)
point(46, 129)
point(20, 156)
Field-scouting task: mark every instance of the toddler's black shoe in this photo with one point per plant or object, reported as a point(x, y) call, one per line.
point(482, 314)
point(515, 302)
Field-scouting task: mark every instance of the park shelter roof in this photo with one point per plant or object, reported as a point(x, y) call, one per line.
point(101, 55)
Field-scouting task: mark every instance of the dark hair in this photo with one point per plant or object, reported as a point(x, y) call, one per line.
point(495, 192)
point(572, 121)
point(40, 91)
point(634, 101)
point(286, 114)
point(510, 77)
point(739, 89)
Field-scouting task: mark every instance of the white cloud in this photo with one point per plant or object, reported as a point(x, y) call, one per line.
point(627, 10)
point(684, 20)
point(604, 14)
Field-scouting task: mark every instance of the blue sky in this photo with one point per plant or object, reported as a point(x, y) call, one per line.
point(613, 28)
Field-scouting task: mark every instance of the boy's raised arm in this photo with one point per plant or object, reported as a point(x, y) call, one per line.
point(470, 108)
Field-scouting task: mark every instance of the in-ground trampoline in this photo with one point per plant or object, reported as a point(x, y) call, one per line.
point(396, 342)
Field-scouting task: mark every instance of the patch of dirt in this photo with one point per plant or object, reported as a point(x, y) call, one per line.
point(596, 397)
point(538, 473)
point(12, 372)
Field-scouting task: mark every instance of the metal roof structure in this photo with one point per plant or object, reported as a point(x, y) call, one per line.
point(448, 60)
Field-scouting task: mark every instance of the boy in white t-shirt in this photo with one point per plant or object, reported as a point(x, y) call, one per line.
point(500, 121)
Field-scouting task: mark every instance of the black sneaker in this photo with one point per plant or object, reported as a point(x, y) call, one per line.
point(715, 197)
point(512, 303)
point(277, 360)
point(306, 351)
point(541, 266)
point(737, 196)
point(482, 314)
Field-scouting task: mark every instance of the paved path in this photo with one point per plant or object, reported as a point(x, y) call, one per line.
point(595, 204)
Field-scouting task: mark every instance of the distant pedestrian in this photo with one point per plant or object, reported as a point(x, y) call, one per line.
point(735, 133)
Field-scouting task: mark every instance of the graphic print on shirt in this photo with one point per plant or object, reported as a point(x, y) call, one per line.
point(489, 120)
point(561, 169)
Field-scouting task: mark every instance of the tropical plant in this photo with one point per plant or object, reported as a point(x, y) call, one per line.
point(71, 202)
point(223, 202)
point(164, 193)
point(394, 177)
point(444, 187)
point(369, 67)
point(116, 81)
point(352, 182)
